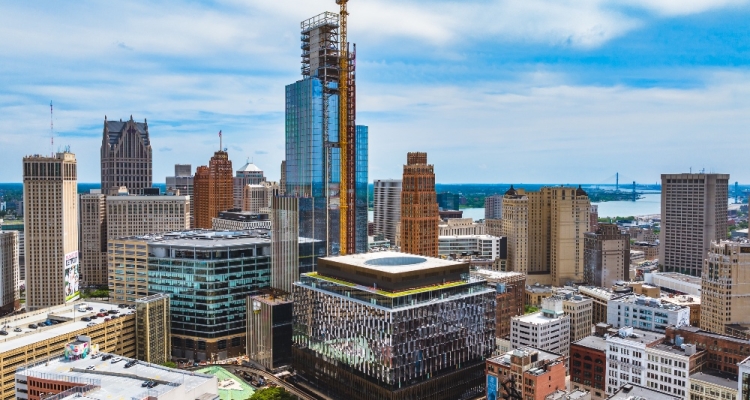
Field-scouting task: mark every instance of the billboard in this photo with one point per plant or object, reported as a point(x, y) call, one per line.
point(491, 387)
point(72, 276)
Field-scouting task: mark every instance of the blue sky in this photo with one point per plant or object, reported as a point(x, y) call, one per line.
point(493, 90)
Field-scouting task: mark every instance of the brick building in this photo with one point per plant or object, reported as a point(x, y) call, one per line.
point(723, 352)
point(588, 366)
point(419, 208)
point(509, 295)
point(532, 373)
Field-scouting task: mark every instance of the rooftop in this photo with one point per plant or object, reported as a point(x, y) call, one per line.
point(69, 314)
point(639, 336)
point(249, 167)
point(537, 318)
point(634, 392)
point(230, 386)
point(717, 378)
point(504, 359)
point(490, 275)
point(392, 262)
point(671, 349)
point(114, 380)
point(694, 329)
point(387, 293)
point(680, 277)
point(593, 342)
point(646, 301)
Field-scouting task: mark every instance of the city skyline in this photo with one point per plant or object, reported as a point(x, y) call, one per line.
point(562, 82)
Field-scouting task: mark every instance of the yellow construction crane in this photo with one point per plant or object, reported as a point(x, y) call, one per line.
point(344, 128)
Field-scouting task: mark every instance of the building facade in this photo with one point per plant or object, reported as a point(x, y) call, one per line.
point(10, 297)
point(645, 313)
point(547, 330)
point(126, 156)
point(725, 296)
point(419, 210)
point(182, 181)
point(387, 207)
point(269, 329)
point(493, 207)
point(448, 201)
point(693, 214)
point(127, 260)
point(93, 238)
point(460, 226)
point(601, 298)
point(153, 339)
point(248, 174)
point(144, 215)
point(588, 366)
point(580, 309)
point(213, 189)
point(234, 220)
point(408, 355)
point(712, 385)
point(51, 229)
point(607, 256)
point(545, 232)
point(479, 246)
point(528, 373)
point(509, 297)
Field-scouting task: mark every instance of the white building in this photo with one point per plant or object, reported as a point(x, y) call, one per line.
point(387, 204)
point(645, 313)
point(484, 246)
point(547, 330)
point(460, 227)
point(743, 383)
point(675, 281)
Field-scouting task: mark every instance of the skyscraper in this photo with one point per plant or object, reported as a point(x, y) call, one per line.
point(213, 188)
point(153, 342)
point(545, 232)
point(248, 174)
point(183, 181)
point(493, 207)
point(387, 203)
point(313, 140)
point(693, 213)
point(419, 208)
point(725, 287)
point(10, 299)
point(93, 238)
point(126, 156)
point(607, 256)
point(51, 227)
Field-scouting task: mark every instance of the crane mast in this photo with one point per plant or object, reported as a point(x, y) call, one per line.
point(346, 156)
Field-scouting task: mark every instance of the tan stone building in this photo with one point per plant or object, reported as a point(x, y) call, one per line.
point(545, 232)
point(213, 189)
point(460, 227)
point(126, 156)
point(128, 269)
point(725, 297)
point(419, 208)
point(93, 238)
point(580, 309)
point(10, 299)
point(153, 338)
point(257, 198)
point(142, 215)
point(51, 229)
point(606, 256)
point(693, 214)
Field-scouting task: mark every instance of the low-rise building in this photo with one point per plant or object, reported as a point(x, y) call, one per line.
point(30, 340)
point(460, 227)
point(601, 299)
point(713, 385)
point(691, 302)
point(85, 373)
point(547, 330)
point(650, 249)
point(724, 352)
point(238, 220)
point(580, 311)
point(483, 247)
point(526, 372)
point(633, 392)
point(645, 313)
point(537, 292)
point(675, 282)
point(588, 366)
point(575, 394)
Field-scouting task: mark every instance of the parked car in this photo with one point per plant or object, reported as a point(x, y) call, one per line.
point(116, 360)
point(106, 357)
point(122, 305)
point(130, 363)
point(102, 310)
point(152, 384)
point(97, 355)
point(113, 311)
point(90, 367)
point(17, 329)
point(4, 333)
point(89, 308)
point(90, 324)
point(145, 383)
point(107, 319)
point(115, 316)
point(87, 319)
point(32, 326)
point(93, 317)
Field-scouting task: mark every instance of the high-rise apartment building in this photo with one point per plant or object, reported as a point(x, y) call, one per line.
point(143, 215)
point(336, 306)
point(545, 232)
point(693, 213)
point(725, 287)
point(313, 166)
point(51, 229)
point(126, 156)
point(92, 211)
point(419, 209)
point(387, 207)
point(493, 207)
point(607, 256)
point(183, 182)
point(153, 342)
point(213, 189)
point(248, 174)
point(10, 299)
point(21, 247)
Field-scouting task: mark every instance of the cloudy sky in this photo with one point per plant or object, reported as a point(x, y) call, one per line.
point(542, 91)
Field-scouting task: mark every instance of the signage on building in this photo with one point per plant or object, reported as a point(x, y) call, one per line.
point(72, 277)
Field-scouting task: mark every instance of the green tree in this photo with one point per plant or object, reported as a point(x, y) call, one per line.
point(276, 393)
point(169, 364)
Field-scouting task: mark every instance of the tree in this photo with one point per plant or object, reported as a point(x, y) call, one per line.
point(276, 393)
point(169, 364)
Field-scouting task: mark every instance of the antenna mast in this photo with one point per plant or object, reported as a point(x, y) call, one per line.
point(51, 132)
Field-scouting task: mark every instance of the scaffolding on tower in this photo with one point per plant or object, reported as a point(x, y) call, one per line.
point(347, 135)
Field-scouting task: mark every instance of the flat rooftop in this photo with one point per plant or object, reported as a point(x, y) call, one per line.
point(630, 392)
point(504, 359)
point(392, 262)
point(67, 312)
point(640, 336)
point(680, 277)
point(717, 378)
point(672, 349)
point(537, 318)
point(115, 381)
point(593, 342)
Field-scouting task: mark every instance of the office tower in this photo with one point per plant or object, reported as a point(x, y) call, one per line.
point(536, 374)
point(594, 218)
point(248, 174)
point(336, 306)
point(509, 297)
point(725, 287)
point(419, 210)
point(580, 309)
point(209, 321)
point(143, 215)
point(282, 179)
point(545, 232)
point(128, 268)
point(18, 227)
point(10, 297)
point(448, 201)
point(153, 340)
point(183, 181)
point(51, 228)
point(269, 329)
point(315, 137)
point(284, 242)
point(126, 156)
point(234, 220)
point(693, 213)
point(213, 189)
point(254, 198)
point(548, 329)
point(493, 207)
point(607, 256)
point(387, 207)
point(92, 211)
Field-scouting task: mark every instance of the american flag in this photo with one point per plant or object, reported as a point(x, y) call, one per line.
point(219, 133)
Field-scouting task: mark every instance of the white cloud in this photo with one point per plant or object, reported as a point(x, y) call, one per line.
point(682, 7)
